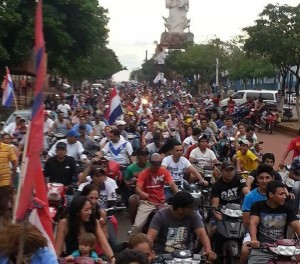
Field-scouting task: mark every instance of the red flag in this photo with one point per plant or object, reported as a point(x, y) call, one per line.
point(32, 183)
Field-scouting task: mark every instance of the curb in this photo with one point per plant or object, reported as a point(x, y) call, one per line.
point(287, 130)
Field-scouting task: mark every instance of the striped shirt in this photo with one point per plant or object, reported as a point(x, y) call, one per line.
point(7, 155)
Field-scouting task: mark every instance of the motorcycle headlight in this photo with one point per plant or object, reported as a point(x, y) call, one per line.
point(232, 213)
point(285, 250)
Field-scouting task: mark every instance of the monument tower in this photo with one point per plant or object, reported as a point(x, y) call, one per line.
point(175, 36)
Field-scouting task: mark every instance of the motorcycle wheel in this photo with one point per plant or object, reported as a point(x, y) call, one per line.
point(271, 126)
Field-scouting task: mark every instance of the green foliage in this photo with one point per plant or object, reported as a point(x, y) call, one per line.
point(75, 33)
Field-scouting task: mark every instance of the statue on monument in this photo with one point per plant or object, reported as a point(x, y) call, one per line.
point(177, 21)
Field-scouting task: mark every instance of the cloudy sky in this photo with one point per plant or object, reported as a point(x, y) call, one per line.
point(135, 24)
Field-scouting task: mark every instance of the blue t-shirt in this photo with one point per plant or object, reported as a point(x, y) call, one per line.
point(41, 256)
point(93, 254)
point(251, 198)
point(89, 128)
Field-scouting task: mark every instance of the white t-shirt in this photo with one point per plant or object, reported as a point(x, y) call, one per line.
point(205, 159)
point(176, 169)
point(48, 124)
point(65, 108)
point(107, 193)
point(11, 128)
point(189, 141)
point(120, 151)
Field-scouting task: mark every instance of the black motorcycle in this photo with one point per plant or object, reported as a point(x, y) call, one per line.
point(229, 234)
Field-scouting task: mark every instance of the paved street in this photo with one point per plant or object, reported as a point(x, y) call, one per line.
point(276, 144)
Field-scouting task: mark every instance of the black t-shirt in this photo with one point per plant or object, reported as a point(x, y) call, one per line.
point(60, 172)
point(229, 192)
point(254, 185)
point(273, 222)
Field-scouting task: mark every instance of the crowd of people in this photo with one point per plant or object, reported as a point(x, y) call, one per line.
point(163, 140)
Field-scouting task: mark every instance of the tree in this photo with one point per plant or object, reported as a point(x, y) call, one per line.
point(276, 35)
point(73, 31)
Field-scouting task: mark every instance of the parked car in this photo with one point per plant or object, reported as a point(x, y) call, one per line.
point(241, 96)
point(22, 113)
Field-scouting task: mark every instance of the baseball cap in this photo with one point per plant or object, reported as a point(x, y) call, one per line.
point(203, 136)
point(226, 165)
point(61, 145)
point(72, 133)
point(244, 142)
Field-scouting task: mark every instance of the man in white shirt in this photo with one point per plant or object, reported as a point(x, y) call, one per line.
point(98, 126)
point(119, 149)
point(74, 147)
point(179, 166)
point(64, 107)
point(203, 155)
point(11, 128)
point(191, 140)
point(48, 122)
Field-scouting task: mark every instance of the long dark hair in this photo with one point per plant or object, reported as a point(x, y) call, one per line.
point(87, 189)
point(76, 206)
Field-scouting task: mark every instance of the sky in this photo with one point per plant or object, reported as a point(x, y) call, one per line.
point(135, 24)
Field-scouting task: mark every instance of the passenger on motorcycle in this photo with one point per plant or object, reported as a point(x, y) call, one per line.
point(98, 125)
point(60, 168)
point(174, 227)
point(156, 144)
point(269, 220)
point(87, 142)
point(150, 188)
point(78, 221)
point(74, 147)
point(203, 156)
point(132, 171)
point(207, 131)
point(83, 122)
point(61, 125)
point(246, 160)
point(180, 167)
point(229, 188)
point(267, 158)
point(141, 242)
point(191, 140)
point(264, 176)
point(119, 149)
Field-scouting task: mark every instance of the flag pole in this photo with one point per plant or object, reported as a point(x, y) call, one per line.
point(13, 92)
point(23, 169)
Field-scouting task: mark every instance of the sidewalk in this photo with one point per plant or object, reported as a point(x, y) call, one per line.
point(289, 127)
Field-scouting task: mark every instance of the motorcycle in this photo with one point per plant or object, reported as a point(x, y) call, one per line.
point(226, 149)
point(230, 233)
point(181, 257)
point(283, 251)
point(268, 121)
point(59, 196)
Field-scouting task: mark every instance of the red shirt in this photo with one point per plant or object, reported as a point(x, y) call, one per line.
point(189, 150)
point(295, 146)
point(153, 183)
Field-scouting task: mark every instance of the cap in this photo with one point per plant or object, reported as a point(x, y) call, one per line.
point(82, 127)
point(120, 123)
point(130, 113)
point(203, 136)
point(61, 145)
point(226, 165)
point(72, 133)
point(244, 142)
point(142, 151)
point(97, 169)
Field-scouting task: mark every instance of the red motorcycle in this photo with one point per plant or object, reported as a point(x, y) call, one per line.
point(81, 260)
point(283, 251)
point(59, 197)
point(268, 121)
